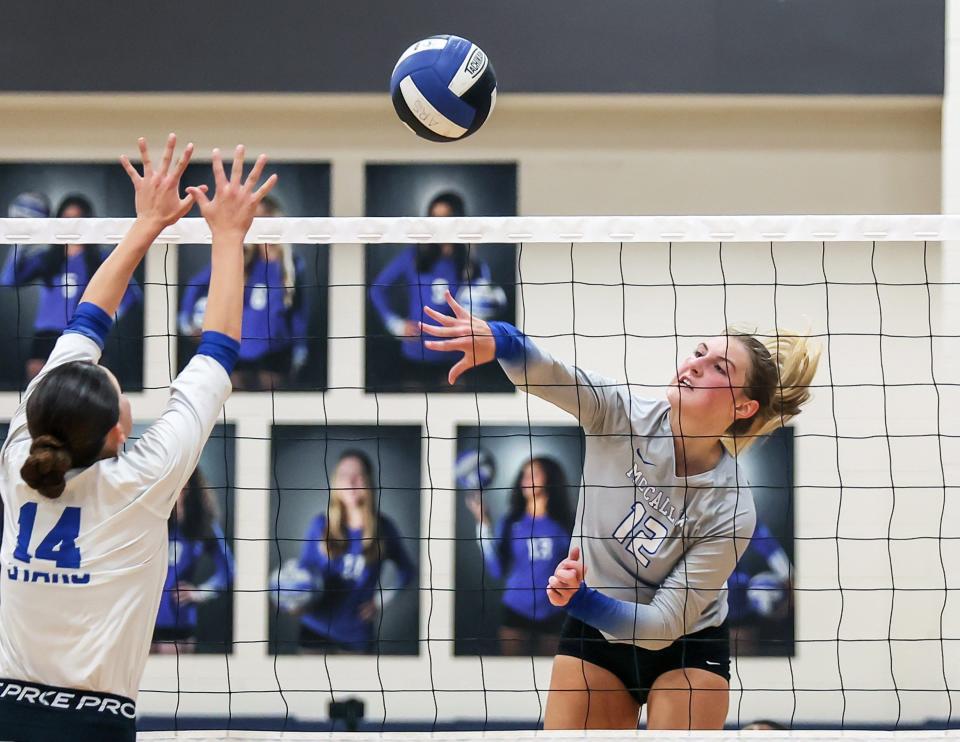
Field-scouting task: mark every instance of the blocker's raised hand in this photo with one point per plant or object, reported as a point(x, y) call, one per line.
point(235, 202)
point(157, 191)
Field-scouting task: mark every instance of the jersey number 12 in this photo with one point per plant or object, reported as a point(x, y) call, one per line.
point(60, 545)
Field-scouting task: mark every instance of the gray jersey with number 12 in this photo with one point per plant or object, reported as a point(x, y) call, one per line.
point(649, 537)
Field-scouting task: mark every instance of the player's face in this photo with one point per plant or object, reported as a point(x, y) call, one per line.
point(350, 483)
point(534, 481)
point(708, 387)
point(72, 212)
point(441, 208)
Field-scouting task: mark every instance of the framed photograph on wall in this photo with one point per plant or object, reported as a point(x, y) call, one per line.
point(345, 558)
point(402, 279)
point(517, 489)
point(196, 607)
point(284, 343)
point(41, 285)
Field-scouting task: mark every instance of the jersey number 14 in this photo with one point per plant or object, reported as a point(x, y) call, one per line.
point(60, 545)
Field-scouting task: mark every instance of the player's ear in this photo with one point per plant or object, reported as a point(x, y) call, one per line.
point(746, 409)
point(115, 439)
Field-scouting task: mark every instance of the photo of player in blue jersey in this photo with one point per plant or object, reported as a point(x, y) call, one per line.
point(517, 498)
point(760, 590)
point(344, 573)
point(403, 279)
point(285, 294)
point(41, 285)
point(200, 569)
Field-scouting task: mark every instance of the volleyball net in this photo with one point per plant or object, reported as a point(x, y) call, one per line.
point(843, 613)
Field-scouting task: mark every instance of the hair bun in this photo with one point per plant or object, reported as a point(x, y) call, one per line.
point(46, 466)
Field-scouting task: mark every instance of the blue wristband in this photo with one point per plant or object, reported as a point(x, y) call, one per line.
point(616, 617)
point(509, 340)
point(221, 348)
point(90, 321)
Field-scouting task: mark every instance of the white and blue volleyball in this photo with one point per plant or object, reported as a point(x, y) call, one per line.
point(29, 206)
point(292, 587)
point(474, 469)
point(767, 595)
point(443, 88)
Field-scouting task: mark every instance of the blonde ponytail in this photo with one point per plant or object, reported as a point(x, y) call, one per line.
point(781, 370)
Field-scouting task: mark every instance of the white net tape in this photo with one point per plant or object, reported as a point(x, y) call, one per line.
point(306, 230)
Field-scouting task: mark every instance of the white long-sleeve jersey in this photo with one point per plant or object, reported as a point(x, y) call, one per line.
point(82, 574)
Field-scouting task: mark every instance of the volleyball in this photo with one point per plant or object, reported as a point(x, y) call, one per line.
point(29, 206)
point(474, 469)
point(767, 595)
point(443, 88)
point(293, 587)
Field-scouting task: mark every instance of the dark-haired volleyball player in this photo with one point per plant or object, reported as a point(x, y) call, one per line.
point(194, 532)
point(346, 547)
point(665, 514)
point(84, 552)
point(523, 551)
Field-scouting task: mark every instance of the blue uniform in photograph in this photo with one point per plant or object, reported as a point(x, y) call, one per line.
point(478, 296)
point(763, 554)
point(185, 556)
point(350, 581)
point(422, 289)
point(269, 325)
point(62, 283)
point(537, 545)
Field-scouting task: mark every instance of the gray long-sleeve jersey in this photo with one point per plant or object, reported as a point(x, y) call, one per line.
point(663, 543)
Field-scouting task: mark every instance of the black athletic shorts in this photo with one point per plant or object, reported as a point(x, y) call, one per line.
point(639, 668)
point(513, 620)
point(173, 633)
point(316, 642)
point(42, 346)
point(31, 712)
point(277, 362)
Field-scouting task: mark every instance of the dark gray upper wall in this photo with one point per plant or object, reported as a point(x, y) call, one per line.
point(867, 47)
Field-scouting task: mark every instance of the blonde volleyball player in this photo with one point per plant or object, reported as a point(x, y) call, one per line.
point(664, 517)
point(84, 552)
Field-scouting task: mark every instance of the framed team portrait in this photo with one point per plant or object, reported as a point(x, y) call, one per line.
point(196, 607)
point(345, 561)
point(761, 597)
point(402, 279)
point(284, 333)
point(41, 285)
point(516, 502)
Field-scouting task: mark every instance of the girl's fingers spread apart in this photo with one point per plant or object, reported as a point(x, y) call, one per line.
point(459, 368)
point(168, 153)
point(256, 172)
point(144, 155)
point(443, 332)
point(446, 346)
point(236, 171)
point(443, 319)
point(455, 306)
point(131, 170)
point(219, 175)
point(266, 187)
point(184, 160)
